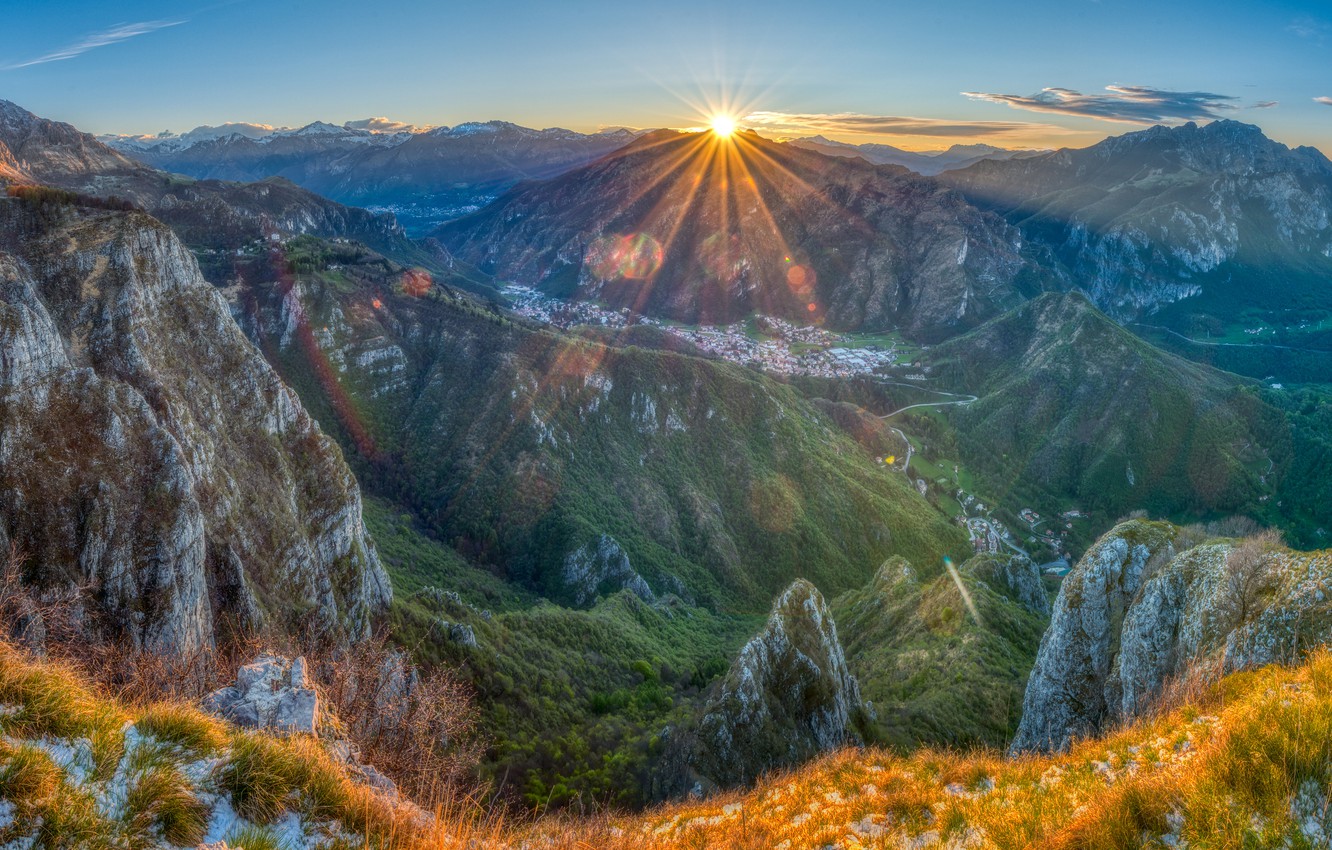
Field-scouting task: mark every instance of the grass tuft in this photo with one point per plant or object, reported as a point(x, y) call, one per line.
point(184, 726)
point(255, 838)
point(161, 800)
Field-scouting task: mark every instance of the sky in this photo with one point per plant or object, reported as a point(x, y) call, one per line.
point(919, 75)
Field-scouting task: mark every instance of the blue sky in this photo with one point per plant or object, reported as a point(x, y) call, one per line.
point(1037, 71)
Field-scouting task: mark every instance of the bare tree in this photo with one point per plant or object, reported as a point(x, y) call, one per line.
point(1250, 575)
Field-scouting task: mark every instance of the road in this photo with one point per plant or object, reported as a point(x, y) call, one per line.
point(960, 399)
point(1231, 344)
point(906, 466)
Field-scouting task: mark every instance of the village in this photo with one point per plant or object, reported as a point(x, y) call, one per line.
point(771, 344)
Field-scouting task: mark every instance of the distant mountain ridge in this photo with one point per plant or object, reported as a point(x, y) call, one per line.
point(221, 216)
point(428, 175)
point(926, 163)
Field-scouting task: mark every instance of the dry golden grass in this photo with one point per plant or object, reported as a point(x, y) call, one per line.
point(265, 775)
point(1218, 769)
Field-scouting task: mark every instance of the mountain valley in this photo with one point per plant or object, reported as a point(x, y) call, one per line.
point(804, 490)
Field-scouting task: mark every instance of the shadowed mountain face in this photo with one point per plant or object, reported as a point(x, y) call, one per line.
point(1218, 214)
point(698, 228)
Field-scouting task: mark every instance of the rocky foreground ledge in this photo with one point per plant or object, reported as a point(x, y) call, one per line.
point(78, 770)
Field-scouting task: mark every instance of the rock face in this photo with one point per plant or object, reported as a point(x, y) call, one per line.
point(1021, 578)
point(147, 450)
point(600, 567)
point(1135, 611)
point(270, 693)
point(788, 697)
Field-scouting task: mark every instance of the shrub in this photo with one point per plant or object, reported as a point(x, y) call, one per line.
point(1249, 575)
point(258, 776)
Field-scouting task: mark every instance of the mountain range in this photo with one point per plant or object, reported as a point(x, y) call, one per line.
point(684, 227)
point(424, 177)
point(1198, 227)
point(635, 552)
point(927, 163)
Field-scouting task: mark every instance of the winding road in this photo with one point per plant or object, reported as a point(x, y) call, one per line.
point(960, 399)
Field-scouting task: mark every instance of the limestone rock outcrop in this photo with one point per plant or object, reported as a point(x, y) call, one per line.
point(788, 696)
point(148, 452)
point(1145, 604)
point(599, 567)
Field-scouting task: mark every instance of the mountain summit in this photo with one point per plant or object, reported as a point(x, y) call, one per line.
point(697, 228)
point(1149, 218)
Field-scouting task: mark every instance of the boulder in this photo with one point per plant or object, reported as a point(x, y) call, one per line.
point(271, 693)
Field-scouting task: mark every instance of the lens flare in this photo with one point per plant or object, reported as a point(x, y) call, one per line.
point(723, 125)
point(962, 589)
point(636, 256)
point(416, 282)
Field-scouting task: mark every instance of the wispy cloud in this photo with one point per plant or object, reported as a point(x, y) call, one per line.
point(854, 122)
point(92, 41)
point(1326, 101)
point(1307, 26)
point(384, 125)
point(1129, 104)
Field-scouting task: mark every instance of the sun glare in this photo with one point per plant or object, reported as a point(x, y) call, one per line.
point(723, 125)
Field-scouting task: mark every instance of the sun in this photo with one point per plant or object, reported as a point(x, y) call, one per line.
point(723, 125)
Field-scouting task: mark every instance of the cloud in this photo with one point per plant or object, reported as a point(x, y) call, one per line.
point(1308, 27)
point(854, 122)
point(384, 125)
point(113, 35)
point(1326, 101)
point(1129, 104)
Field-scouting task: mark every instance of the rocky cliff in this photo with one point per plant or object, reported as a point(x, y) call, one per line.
point(788, 696)
point(1146, 603)
point(149, 453)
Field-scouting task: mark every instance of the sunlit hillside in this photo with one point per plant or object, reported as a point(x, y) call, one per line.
point(1243, 762)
